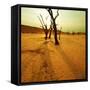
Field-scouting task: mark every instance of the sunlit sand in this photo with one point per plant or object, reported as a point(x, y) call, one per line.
point(42, 60)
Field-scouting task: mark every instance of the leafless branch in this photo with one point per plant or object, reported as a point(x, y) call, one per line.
point(57, 14)
point(47, 17)
point(41, 22)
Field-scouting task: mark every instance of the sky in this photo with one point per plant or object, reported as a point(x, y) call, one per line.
point(69, 20)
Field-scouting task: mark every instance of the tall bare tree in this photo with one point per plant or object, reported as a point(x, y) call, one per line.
point(54, 23)
point(44, 25)
point(51, 29)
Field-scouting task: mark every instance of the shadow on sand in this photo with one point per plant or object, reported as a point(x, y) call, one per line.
point(46, 71)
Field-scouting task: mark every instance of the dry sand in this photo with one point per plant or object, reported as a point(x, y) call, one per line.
point(41, 60)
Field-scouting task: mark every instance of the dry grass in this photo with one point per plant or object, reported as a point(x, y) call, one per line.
point(41, 60)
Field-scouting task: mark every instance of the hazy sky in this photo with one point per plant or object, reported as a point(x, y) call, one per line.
point(69, 20)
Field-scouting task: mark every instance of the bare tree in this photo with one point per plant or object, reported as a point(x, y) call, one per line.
point(60, 32)
point(44, 25)
point(54, 23)
point(51, 29)
point(41, 22)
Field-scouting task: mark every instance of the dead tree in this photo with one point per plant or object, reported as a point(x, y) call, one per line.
point(60, 32)
point(44, 26)
point(54, 23)
point(51, 29)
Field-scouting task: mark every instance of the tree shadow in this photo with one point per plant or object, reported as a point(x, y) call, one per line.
point(46, 71)
point(37, 50)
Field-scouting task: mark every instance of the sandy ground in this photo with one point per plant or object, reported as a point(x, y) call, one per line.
point(41, 60)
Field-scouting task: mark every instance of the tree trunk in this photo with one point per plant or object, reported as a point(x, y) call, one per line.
point(55, 33)
point(50, 33)
point(46, 35)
